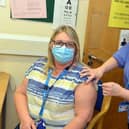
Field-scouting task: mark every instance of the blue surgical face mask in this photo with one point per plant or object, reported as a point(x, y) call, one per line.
point(63, 54)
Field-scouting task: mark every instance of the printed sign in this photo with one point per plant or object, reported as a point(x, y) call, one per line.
point(119, 14)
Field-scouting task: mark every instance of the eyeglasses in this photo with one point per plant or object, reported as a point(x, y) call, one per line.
point(60, 43)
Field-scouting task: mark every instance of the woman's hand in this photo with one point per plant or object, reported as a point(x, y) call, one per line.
point(92, 74)
point(111, 89)
point(27, 123)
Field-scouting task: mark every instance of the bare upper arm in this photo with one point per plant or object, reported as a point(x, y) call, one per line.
point(22, 87)
point(85, 99)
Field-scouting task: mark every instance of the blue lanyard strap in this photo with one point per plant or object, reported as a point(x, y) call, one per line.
point(47, 89)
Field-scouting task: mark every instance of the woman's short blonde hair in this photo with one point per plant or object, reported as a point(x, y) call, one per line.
point(72, 35)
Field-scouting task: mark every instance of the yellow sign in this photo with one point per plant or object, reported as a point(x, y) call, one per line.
point(119, 14)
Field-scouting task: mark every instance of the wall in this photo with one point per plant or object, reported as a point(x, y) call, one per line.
point(16, 64)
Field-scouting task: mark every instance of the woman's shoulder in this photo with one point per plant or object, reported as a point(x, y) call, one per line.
point(79, 66)
point(127, 44)
point(76, 69)
point(37, 65)
point(124, 48)
point(41, 61)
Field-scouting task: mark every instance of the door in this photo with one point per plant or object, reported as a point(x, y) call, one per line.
point(101, 42)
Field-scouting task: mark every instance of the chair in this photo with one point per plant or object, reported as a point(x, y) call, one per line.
point(102, 107)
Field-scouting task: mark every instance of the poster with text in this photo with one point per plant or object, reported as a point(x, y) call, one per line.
point(28, 8)
point(119, 14)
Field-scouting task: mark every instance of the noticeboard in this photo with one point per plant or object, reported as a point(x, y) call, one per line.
point(50, 12)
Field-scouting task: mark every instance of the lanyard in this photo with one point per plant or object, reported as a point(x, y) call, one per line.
point(47, 89)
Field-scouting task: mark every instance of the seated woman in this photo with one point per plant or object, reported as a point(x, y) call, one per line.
point(53, 91)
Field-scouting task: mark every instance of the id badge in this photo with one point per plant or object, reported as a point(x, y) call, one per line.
point(123, 107)
point(40, 124)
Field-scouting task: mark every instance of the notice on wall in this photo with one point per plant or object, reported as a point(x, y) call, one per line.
point(2, 2)
point(119, 14)
point(65, 12)
point(28, 8)
point(124, 38)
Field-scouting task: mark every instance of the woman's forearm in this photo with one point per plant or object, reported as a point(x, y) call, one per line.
point(109, 65)
point(124, 93)
point(21, 105)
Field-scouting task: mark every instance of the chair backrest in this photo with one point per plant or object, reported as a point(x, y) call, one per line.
point(102, 106)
